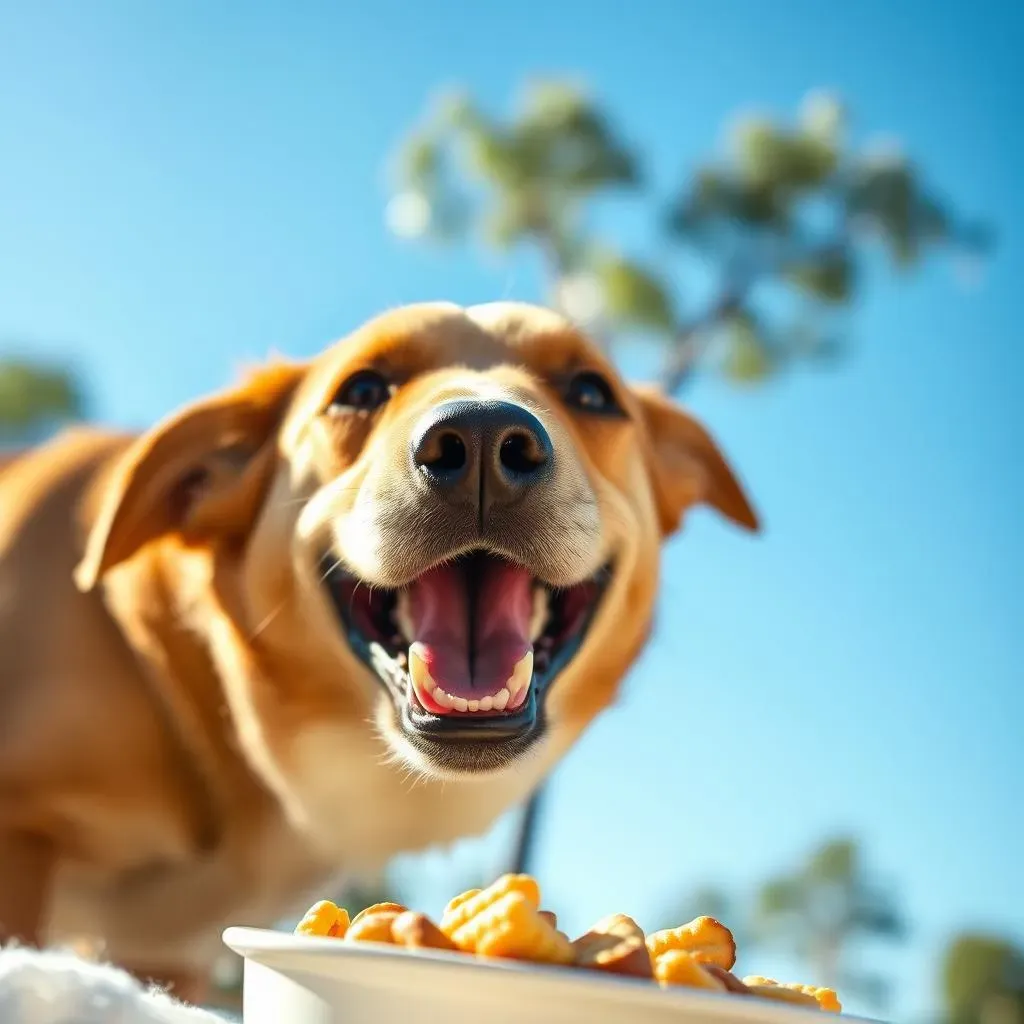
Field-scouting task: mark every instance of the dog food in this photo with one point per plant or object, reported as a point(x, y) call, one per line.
point(506, 920)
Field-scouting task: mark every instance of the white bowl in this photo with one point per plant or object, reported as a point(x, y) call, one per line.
point(298, 979)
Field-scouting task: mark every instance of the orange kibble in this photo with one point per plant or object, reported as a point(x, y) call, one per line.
point(464, 909)
point(758, 979)
point(678, 967)
point(380, 908)
point(727, 978)
point(375, 927)
point(616, 945)
point(457, 901)
point(783, 994)
point(324, 919)
point(824, 998)
point(417, 931)
point(505, 921)
point(704, 937)
point(511, 927)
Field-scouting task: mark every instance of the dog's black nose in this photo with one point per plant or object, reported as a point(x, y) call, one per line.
point(484, 452)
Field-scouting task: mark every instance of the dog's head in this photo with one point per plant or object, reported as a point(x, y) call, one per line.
point(450, 521)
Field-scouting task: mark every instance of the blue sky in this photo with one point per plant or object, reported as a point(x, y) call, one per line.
point(186, 186)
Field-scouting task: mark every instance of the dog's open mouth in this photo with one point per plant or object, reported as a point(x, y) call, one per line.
point(468, 648)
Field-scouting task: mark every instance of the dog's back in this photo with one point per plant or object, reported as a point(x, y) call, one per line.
point(46, 624)
point(74, 706)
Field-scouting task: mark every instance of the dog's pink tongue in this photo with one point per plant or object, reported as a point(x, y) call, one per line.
point(439, 609)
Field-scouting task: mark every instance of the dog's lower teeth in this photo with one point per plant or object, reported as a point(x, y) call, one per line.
point(429, 693)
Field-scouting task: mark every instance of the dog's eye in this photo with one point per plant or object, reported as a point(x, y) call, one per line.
point(591, 393)
point(363, 391)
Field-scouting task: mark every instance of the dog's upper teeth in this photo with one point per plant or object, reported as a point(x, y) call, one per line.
point(540, 614)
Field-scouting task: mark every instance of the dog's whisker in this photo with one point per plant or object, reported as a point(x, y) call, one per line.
point(268, 619)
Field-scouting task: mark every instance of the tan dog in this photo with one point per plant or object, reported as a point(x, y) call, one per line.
point(228, 643)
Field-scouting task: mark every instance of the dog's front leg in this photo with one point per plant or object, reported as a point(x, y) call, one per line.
point(26, 872)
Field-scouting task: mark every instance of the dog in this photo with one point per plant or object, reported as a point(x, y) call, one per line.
point(346, 608)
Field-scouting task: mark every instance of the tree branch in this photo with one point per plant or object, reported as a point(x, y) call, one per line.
point(690, 343)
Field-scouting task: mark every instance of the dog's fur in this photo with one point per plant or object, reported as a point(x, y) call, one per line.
point(56, 987)
point(186, 738)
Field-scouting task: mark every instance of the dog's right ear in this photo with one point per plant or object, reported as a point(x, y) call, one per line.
point(687, 467)
point(200, 474)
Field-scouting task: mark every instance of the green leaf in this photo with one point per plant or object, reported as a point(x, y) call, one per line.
point(495, 158)
point(781, 896)
point(759, 150)
point(748, 361)
point(757, 203)
point(823, 115)
point(419, 160)
point(836, 861)
point(634, 295)
point(509, 220)
point(830, 278)
point(810, 161)
point(455, 109)
point(769, 157)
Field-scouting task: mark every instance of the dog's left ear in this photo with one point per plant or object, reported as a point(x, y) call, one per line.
point(687, 467)
point(200, 473)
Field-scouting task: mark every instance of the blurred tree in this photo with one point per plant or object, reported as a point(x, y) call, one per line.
point(785, 218)
point(983, 980)
point(782, 225)
point(824, 906)
point(34, 397)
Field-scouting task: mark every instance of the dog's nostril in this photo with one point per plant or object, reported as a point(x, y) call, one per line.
point(522, 453)
point(447, 454)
